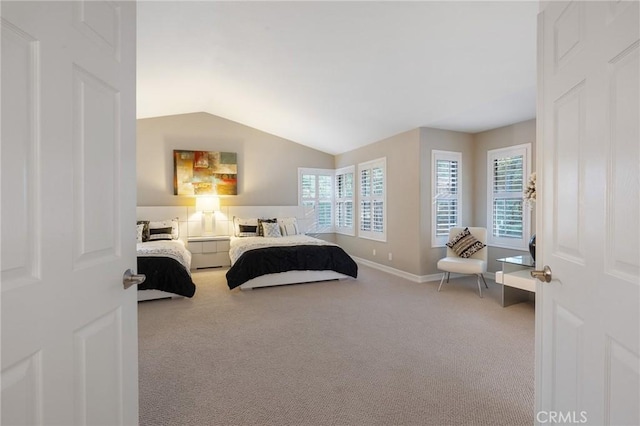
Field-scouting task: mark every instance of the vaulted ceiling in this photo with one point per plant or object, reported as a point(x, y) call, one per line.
point(339, 75)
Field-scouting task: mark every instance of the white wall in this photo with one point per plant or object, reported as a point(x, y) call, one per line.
point(403, 202)
point(515, 134)
point(267, 164)
point(431, 139)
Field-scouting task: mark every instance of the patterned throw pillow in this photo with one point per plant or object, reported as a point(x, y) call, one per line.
point(260, 222)
point(465, 245)
point(271, 229)
point(145, 231)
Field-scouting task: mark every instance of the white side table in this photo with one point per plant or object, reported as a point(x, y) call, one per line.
point(209, 252)
point(516, 280)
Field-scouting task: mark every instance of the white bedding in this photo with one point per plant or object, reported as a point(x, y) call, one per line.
point(240, 245)
point(174, 249)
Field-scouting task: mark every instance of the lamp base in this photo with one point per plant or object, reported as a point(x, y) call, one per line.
point(208, 224)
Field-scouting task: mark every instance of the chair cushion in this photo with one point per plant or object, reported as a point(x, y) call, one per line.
point(462, 266)
point(464, 244)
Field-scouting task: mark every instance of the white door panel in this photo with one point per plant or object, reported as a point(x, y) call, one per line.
point(588, 321)
point(69, 329)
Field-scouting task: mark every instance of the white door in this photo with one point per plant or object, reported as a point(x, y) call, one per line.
point(587, 331)
point(69, 329)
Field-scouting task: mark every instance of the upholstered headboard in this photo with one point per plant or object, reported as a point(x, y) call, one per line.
point(192, 222)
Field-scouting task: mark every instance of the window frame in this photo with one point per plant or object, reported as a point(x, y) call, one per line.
point(371, 165)
point(315, 227)
point(507, 242)
point(438, 155)
point(345, 230)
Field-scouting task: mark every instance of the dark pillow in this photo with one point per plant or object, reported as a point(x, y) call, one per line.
point(158, 234)
point(464, 244)
point(247, 230)
point(145, 230)
point(158, 229)
point(260, 222)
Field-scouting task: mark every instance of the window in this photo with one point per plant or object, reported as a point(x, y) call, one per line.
point(316, 191)
point(372, 178)
point(344, 211)
point(507, 220)
point(446, 194)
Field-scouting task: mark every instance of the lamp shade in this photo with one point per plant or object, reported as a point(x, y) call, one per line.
point(207, 204)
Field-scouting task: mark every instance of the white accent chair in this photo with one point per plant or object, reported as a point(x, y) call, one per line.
point(476, 264)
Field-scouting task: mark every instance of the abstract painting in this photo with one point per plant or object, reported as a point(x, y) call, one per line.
point(205, 173)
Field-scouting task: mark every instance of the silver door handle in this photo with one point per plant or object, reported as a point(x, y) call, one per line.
point(129, 279)
point(544, 275)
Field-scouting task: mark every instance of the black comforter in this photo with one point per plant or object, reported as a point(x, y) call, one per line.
point(271, 260)
point(166, 274)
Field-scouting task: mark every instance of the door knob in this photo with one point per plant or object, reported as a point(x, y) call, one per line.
point(129, 279)
point(544, 275)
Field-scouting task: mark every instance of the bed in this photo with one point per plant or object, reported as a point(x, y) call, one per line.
point(261, 261)
point(164, 259)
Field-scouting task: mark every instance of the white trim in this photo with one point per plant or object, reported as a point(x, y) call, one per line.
point(511, 243)
point(409, 276)
point(440, 241)
point(388, 269)
point(540, 307)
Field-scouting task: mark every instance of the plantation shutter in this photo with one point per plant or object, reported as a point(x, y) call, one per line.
point(344, 200)
point(316, 193)
point(507, 219)
point(325, 201)
point(446, 194)
point(508, 185)
point(377, 183)
point(308, 189)
point(372, 199)
point(365, 201)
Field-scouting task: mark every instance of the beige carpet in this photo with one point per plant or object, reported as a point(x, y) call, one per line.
point(379, 350)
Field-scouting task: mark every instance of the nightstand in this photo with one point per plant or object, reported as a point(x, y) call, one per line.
point(515, 277)
point(209, 252)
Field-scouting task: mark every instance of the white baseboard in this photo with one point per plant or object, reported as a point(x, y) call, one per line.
point(388, 269)
point(409, 276)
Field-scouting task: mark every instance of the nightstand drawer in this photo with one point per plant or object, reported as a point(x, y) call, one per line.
point(195, 248)
point(209, 246)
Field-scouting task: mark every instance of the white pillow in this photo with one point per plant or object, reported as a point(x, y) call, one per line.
point(288, 226)
point(271, 229)
point(245, 227)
